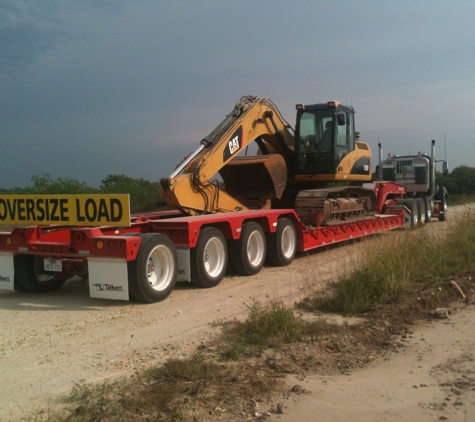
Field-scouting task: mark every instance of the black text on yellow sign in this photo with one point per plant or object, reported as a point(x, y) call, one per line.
point(76, 210)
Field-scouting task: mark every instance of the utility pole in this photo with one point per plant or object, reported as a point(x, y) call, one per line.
point(445, 145)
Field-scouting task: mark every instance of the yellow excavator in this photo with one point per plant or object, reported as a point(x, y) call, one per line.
point(289, 169)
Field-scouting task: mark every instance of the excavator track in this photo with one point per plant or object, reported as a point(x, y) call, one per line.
point(317, 207)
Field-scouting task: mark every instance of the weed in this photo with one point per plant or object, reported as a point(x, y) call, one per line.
point(266, 326)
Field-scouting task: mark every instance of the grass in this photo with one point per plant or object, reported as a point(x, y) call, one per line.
point(266, 326)
point(461, 199)
point(394, 265)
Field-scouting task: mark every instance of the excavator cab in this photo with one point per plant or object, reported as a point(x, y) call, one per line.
point(324, 135)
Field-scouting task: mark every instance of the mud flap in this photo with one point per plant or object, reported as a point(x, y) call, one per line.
point(108, 278)
point(7, 274)
point(183, 253)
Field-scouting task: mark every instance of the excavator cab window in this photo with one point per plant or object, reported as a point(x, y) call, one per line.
point(324, 136)
point(345, 136)
point(314, 141)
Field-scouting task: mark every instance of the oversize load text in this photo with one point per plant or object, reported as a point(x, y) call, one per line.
point(83, 210)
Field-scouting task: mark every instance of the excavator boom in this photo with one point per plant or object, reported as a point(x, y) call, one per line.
point(250, 181)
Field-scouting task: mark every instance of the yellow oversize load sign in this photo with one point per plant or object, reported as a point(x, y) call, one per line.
point(71, 210)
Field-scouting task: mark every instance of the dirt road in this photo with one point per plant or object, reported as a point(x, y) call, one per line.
point(49, 342)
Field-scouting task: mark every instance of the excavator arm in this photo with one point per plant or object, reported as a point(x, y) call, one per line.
point(251, 181)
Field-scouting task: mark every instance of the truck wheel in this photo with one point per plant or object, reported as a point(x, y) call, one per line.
point(249, 252)
point(429, 204)
point(411, 205)
point(29, 281)
point(282, 245)
point(152, 276)
point(209, 259)
point(443, 215)
point(421, 210)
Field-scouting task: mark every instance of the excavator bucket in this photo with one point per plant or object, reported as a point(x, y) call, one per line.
point(255, 180)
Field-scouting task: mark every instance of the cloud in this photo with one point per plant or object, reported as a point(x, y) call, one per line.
point(26, 30)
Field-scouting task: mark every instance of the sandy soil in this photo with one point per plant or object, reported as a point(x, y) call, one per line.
point(431, 378)
point(49, 342)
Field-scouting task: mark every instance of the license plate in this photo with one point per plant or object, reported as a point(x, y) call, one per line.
point(53, 265)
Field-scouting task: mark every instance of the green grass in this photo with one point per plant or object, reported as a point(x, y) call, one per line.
point(393, 265)
point(461, 199)
point(267, 326)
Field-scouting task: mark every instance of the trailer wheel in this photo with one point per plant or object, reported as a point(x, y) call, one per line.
point(249, 251)
point(282, 245)
point(429, 204)
point(29, 281)
point(152, 276)
point(209, 259)
point(411, 205)
point(421, 210)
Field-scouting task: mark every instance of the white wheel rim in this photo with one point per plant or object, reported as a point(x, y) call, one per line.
point(214, 257)
point(160, 268)
point(255, 248)
point(288, 242)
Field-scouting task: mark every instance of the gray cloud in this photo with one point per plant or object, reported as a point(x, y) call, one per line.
point(95, 88)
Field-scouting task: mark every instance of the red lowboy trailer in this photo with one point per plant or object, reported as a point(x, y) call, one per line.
point(144, 259)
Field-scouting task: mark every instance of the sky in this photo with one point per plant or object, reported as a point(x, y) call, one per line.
point(91, 88)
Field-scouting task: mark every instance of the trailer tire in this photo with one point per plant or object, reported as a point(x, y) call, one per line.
point(421, 210)
point(29, 281)
point(282, 245)
point(17, 286)
point(209, 259)
point(429, 204)
point(248, 253)
point(152, 275)
point(411, 205)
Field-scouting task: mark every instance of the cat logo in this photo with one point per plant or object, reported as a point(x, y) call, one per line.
point(234, 144)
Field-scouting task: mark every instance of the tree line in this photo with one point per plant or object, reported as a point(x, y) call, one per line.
point(147, 196)
point(144, 195)
point(460, 181)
